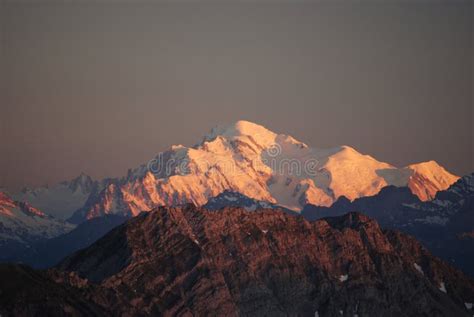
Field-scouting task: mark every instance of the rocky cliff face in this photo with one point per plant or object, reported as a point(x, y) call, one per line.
point(186, 260)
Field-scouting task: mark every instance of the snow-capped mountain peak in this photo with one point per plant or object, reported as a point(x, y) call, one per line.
point(83, 182)
point(243, 128)
point(247, 131)
point(249, 159)
point(427, 178)
point(21, 222)
point(60, 200)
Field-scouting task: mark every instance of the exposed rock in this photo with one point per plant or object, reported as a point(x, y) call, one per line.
point(187, 260)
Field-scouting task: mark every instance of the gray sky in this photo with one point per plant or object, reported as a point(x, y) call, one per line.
point(101, 87)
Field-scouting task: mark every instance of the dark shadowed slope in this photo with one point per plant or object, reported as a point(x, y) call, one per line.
point(49, 252)
point(26, 292)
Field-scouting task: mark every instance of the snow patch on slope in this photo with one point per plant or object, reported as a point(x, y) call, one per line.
point(442, 287)
point(418, 268)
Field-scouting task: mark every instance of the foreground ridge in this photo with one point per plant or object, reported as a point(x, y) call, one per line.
point(188, 260)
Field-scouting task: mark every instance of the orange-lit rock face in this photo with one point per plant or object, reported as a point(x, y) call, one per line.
point(429, 178)
point(249, 159)
point(10, 207)
point(185, 259)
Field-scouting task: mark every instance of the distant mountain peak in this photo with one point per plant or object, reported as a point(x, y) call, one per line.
point(248, 158)
point(59, 200)
point(21, 222)
point(425, 164)
point(427, 178)
point(433, 168)
point(83, 182)
point(243, 128)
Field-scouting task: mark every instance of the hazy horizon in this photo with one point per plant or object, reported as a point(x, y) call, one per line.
point(100, 88)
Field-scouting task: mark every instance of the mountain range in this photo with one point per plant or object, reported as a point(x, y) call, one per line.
point(60, 200)
point(246, 158)
point(21, 225)
point(243, 165)
point(190, 261)
point(246, 222)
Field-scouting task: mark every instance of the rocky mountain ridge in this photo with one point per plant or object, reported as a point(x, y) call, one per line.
point(186, 260)
point(21, 222)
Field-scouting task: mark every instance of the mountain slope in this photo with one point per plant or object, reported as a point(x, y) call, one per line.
point(260, 164)
point(186, 260)
point(233, 199)
point(47, 253)
point(445, 225)
point(22, 225)
point(21, 222)
point(428, 178)
point(25, 292)
point(60, 200)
